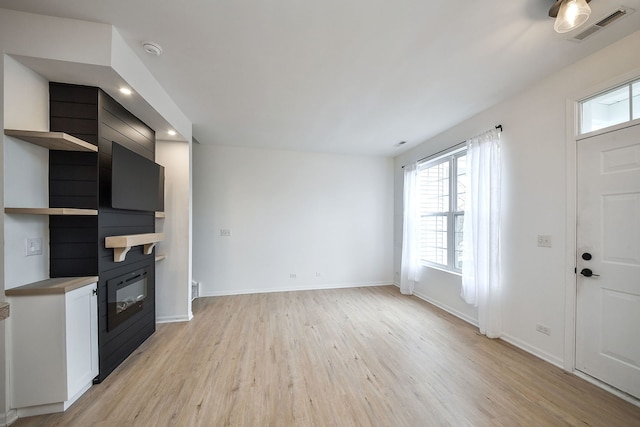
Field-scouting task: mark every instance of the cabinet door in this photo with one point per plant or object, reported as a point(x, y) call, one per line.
point(82, 338)
point(39, 350)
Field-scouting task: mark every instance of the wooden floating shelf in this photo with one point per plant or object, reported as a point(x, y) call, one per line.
point(160, 215)
point(160, 257)
point(52, 140)
point(123, 244)
point(52, 211)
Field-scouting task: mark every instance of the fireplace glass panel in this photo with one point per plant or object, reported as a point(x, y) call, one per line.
point(127, 294)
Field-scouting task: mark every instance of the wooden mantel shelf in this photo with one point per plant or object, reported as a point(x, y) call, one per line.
point(52, 140)
point(122, 244)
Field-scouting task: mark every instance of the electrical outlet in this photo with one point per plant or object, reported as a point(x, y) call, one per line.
point(292, 276)
point(544, 240)
point(543, 329)
point(225, 232)
point(34, 246)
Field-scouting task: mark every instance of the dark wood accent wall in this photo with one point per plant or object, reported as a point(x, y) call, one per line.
point(73, 182)
point(84, 181)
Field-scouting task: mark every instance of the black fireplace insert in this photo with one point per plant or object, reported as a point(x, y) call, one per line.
point(126, 296)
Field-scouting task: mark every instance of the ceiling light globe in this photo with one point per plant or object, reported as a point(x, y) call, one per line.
point(572, 14)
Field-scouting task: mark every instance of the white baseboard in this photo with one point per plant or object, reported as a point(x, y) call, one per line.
point(291, 289)
point(8, 418)
point(448, 309)
point(534, 351)
point(556, 361)
point(173, 319)
point(52, 408)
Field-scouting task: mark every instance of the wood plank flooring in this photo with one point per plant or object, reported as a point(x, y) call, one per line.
point(347, 357)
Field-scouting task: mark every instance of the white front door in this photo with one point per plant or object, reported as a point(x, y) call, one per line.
point(608, 264)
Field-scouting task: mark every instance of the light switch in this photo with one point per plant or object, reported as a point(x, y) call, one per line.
point(34, 246)
point(225, 232)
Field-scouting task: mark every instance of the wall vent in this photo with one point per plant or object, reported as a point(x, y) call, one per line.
point(607, 20)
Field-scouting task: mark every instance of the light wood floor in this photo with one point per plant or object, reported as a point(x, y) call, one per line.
point(349, 357)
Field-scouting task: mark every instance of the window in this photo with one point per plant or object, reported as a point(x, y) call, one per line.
point(618, 105)
point(442, 197)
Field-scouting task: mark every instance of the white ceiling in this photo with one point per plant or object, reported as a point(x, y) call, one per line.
point(342, 76)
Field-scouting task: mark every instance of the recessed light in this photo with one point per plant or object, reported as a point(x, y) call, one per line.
point(152, 48)
point(126, 90)
point(172, 132)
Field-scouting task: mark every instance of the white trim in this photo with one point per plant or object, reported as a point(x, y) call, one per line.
point(572, 137)
point(535, 351)
point(448, 309)
point(622, 395)
point(294, 289)
point(608, 129)
point(569, 353)
point(51, 408)
point(439, 267)
point(173, 319)
point(435, 158)
point(9, 418)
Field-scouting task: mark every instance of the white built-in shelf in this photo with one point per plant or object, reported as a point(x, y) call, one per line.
point(160, 215)
point(160, 257)
point(52, 211)
point(122, 244)
point(52, 140)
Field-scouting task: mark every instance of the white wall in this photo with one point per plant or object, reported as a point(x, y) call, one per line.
point(325, 218)
point(26, 174)
point(23, 182)
point(534, 195)
point(173, 298)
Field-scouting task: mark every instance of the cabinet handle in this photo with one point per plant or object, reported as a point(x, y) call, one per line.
point(95, 291)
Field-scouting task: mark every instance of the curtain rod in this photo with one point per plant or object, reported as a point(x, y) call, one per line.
point(498, 127)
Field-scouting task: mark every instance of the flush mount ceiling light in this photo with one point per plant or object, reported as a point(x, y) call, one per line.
point(569, 14)
point(152, 48)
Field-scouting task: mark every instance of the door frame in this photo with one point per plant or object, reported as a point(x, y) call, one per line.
point(571, 278)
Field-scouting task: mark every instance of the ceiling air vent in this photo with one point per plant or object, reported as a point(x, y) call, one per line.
point(607, 20)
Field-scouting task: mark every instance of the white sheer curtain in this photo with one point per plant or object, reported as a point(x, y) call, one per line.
point(410, 272)
point(481, 233)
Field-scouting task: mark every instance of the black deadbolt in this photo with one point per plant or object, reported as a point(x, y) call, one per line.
point(586, 256)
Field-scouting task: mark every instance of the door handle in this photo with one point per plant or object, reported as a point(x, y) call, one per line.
point(586, 272)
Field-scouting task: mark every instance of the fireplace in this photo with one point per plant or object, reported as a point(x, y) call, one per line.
point(126, 295)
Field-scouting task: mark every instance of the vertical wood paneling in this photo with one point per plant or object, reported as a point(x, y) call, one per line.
point(83, 180)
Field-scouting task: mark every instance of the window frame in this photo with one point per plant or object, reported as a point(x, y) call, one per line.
point(629, 85)
point(451, 156)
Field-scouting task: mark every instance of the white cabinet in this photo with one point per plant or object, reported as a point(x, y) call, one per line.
point(55, 344)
